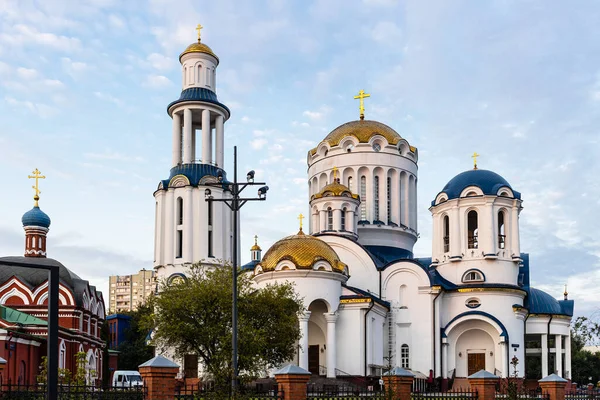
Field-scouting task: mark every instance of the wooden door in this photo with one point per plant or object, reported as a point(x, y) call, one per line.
point(190, 365)
point(476, 362)
point(313, 359)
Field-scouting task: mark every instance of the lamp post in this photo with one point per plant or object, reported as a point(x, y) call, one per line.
point(235, 203)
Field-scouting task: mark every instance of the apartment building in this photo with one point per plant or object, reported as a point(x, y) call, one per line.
point(127, 292)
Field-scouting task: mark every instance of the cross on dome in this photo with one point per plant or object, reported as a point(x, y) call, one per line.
point(300, 217)
point(37, 175)
point(198, 28)
point(335, 172)
point(474, 157)
point(362, 96)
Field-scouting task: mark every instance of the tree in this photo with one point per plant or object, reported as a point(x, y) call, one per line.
point(193, 316)
point(584, 364)
point(134, 349)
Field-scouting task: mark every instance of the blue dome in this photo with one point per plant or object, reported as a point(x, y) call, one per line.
point(540, 302)
point(198, 94)
point(36, 217)
point(195, 172)
point(489, 182)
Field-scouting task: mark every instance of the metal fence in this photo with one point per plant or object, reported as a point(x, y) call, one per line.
point(438, 395)
point(71, 392)
point(199, 392)
point(583, 394)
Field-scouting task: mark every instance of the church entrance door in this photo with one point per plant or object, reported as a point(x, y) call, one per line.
point(313, 359)
point(476, 362)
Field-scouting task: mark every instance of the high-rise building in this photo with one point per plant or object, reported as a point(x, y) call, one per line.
point(127, 292)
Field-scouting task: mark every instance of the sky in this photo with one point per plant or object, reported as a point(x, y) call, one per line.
point(84, 87)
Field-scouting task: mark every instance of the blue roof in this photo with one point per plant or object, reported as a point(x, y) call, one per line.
point(362, 294)
point(249, 266)
point(195, 172)
point(36, 217)
point(540, 302)
point(199, 94)
point(489, 182)
point(383, 255)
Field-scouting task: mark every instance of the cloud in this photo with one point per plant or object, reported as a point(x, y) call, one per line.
point(109, 98)
point(157, 81)
point(41, 109)
point(386, 32)
point(74, 68)
point(24, 35)
point(258, 143)
point(116, 22)
point(161, 62)
point(317, 115)
point(27, 73)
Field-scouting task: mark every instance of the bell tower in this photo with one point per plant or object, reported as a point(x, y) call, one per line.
point(188, 229)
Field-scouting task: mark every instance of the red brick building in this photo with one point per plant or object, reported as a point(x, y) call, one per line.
point(24, 312)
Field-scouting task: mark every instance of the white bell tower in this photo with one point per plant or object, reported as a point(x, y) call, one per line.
point(188, 229)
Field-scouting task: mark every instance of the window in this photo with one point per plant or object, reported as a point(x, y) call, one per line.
point(363, 198)
point(376, 147)
point(179, 243)
point(343, 228)
point(199, 73)
point(472, 303)
point(389, 200)
point(376, 197)
point(405, 356)
point(350, 183)
point(472, 230)
point(210, 229)
point(179, 211)
point(329, 219)
point(473, 276)
point(446, 234)
point(501, 234)
point(62, 354)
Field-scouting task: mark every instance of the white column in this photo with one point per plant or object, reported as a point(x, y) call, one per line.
point(503, 360)
point(383, 212)
point(445, 360)
point(159, 226)
point(331, 356)
point(188, 226)
point(303, 357)
point(544, 355)
point(567, 366)
point(350, 220)
point(514, 233)
point(487, 230)
point(194, 134)
point(206, 138)
point(323, 220)
point(395, 193)
point(558, 355)
point(220, 139)
point(169, 229)
point(455, 239)
point(176, 139)
point(337, 219)
point(187, 136)
point(405, 200)
point(415, 210)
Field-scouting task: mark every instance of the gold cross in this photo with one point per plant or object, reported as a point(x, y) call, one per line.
point(256, 240)
point(300, 217)
point(37, 176)
point(362, 96)
point(474, 157)
point(335, 171)
point(198, 27)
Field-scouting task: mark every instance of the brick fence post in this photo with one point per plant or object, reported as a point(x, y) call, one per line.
point(159, 378)
point(292, 381)
point(554, 385)
point(399, 382)
point(485, 384)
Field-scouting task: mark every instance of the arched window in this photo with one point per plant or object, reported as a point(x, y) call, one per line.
point(405, 356)
point(179, 211)
point(350, 183)
point(329, 219)
point(363, 198)
point(473, 275)
point(446, 234)
point(501, 232)
point(376, 197)
point(62, 358)
point(472, 230)
point(199, 74)
point(22, 372)
point(343, 228)
point(389, 199)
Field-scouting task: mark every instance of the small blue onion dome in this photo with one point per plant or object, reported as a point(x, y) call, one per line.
point(489, 182)
point(36, 217)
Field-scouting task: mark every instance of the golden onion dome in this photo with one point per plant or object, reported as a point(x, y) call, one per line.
point(198, 47)
point(255, 248)
point(304, 251)
point(363, 130)
point(334, 189)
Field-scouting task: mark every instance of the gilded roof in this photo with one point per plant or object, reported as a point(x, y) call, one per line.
point(302, 250)
point(255, 248)
point(198, 47)
point(334, 189)
point(363, 130)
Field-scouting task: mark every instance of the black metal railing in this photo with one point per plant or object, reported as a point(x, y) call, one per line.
point(71, 392)
point(583, 394)
point(453, 395)
point(473, 242)
point(446, 244)
point(338, 392)
point(255, 392)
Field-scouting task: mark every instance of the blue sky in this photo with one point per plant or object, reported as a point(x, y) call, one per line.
point(84, 87)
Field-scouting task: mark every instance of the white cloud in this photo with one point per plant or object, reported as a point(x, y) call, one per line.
point(23, 35)
point(41, 109)
point(317, 115)
point(116, 22)
point(161, 62)
point(27, 73)
point(259, 143)
point(157, 81)
point(108, 97)
point(386, 32)
point(74, 68)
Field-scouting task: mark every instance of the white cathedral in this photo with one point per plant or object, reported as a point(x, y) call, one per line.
point(369, 302)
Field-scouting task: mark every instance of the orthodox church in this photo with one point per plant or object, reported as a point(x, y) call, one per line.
point(369, 301)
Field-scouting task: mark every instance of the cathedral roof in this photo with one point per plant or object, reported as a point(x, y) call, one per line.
point(194, 173)
point(334, 189)
point(198, 94)
point(489, 182)
point(540, 302)
point(198, 47)
point(36, 217)
point(304, 251)
point(363, 131)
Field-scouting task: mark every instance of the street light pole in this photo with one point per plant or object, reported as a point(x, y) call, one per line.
point(234, 204)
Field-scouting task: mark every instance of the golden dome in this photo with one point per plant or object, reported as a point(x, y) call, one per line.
point(302, 250)
point(198, 47)
point(334, 189)
point(363, 130)
point(256, 247)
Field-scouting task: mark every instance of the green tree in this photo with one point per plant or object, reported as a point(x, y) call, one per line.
point(134, 349)
point(584, 364)
point(193, 316)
